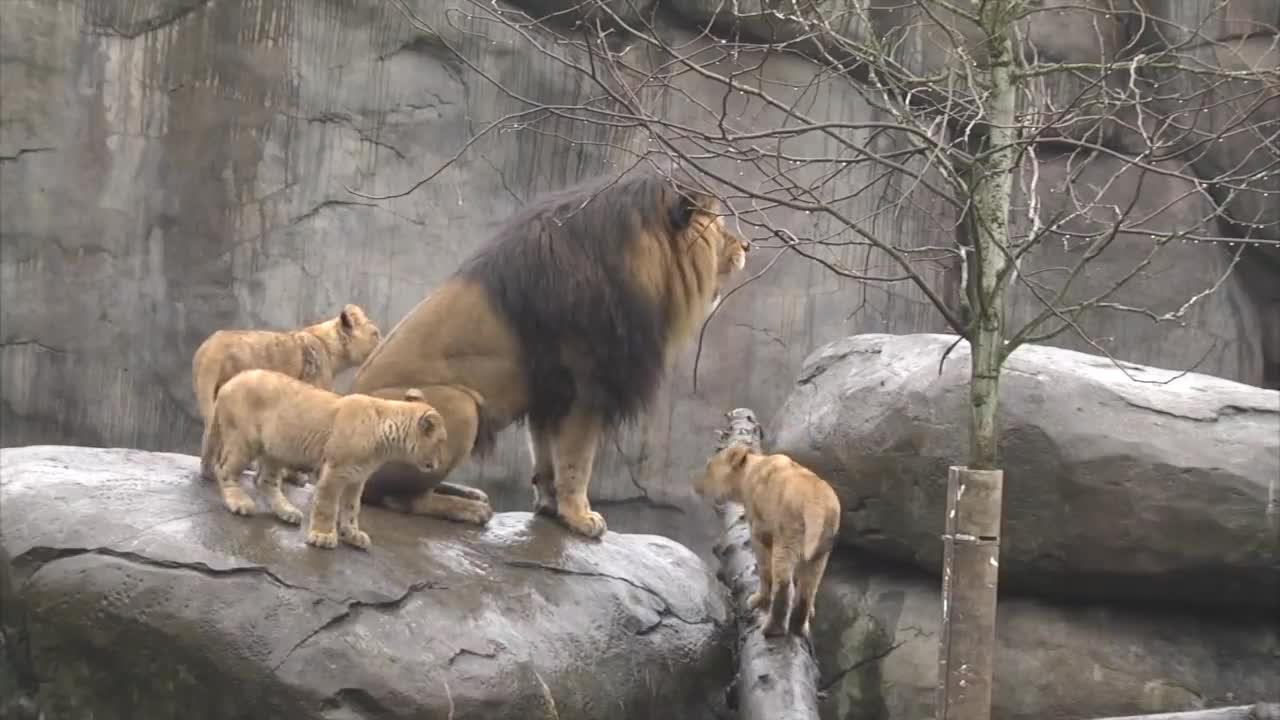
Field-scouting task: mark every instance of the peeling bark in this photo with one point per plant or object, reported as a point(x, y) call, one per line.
point(777, 677)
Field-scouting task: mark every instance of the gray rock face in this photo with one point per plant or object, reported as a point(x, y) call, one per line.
point(130, 591)
point(1114, 487)
point(877, 633)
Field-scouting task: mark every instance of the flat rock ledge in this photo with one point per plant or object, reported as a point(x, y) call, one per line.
point(130, 592)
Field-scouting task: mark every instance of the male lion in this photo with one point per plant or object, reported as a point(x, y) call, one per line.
point(284, 422)
point(794, 516)
point(313, 354)
point(567, 320)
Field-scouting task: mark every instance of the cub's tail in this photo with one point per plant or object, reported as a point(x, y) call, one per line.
point(821, 522)
point(210, 447)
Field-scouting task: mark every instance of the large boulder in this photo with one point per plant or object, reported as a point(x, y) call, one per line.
point(132, 593)
point(877, 629)
point(1119, 482)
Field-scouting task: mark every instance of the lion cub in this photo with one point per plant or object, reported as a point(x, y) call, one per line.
point(284, 422)
point(794, 516)
point(313, 354)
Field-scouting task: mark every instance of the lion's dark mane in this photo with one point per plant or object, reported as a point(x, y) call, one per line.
point(557, 272)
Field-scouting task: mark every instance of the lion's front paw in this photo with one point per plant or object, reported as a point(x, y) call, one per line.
point(758, 600)
point(356, 537)
point(589, 523)
point(239, 503)
point(322, 539)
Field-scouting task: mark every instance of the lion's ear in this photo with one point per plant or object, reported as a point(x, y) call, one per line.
point(414, 395)
point(428, 421)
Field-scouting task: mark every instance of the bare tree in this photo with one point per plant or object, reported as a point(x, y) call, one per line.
point(1050, 181)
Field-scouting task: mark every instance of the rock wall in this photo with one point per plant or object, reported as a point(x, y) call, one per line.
point(170, 167)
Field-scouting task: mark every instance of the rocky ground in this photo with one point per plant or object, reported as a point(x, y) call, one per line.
point(130, 592)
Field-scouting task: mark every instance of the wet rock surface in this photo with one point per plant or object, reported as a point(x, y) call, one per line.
point(131, 592)
point(877, 628)
point(1116, 486)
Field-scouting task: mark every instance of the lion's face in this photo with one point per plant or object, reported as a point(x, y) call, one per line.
point(360, 335)
point(731, 258)
point(719, 477)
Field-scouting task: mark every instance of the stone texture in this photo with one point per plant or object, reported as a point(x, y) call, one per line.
point(131, 592)
point(877, 632)
point(186, 164)
point(1117, 488)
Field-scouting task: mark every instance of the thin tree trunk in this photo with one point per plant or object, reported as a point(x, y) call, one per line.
point(777, 677)
point(971, 541)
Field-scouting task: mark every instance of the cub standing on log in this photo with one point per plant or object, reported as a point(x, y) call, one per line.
point(284, 422)
point(794, 516)
point(566, 320)
point(313, 354)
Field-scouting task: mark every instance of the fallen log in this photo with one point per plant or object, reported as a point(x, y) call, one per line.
point(777, 678)
point(1260, 711)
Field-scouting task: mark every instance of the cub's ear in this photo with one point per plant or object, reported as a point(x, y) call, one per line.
point(350, 316)
point(414, 395)
point(428, 422)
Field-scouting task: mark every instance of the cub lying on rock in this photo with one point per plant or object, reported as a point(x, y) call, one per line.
point(794, 516)
point(284, 422)
point(313, 354)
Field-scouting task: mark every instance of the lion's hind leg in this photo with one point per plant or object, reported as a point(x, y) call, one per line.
point(544, 471)
point(270, 476)
point(435, 503)
point(464, 491)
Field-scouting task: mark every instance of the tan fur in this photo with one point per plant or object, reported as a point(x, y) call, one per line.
point(794, 516)
point(313, 354)
point(468, 361)
point(283, 422)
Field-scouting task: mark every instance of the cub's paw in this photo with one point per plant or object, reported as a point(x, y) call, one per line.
point(772, 629)
point(758, 600)
point(354, 537)
point(800, 628)
point(590, 524)
point(239, 503)
point(293, 477)
point(322, 539)
point(289, 514)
